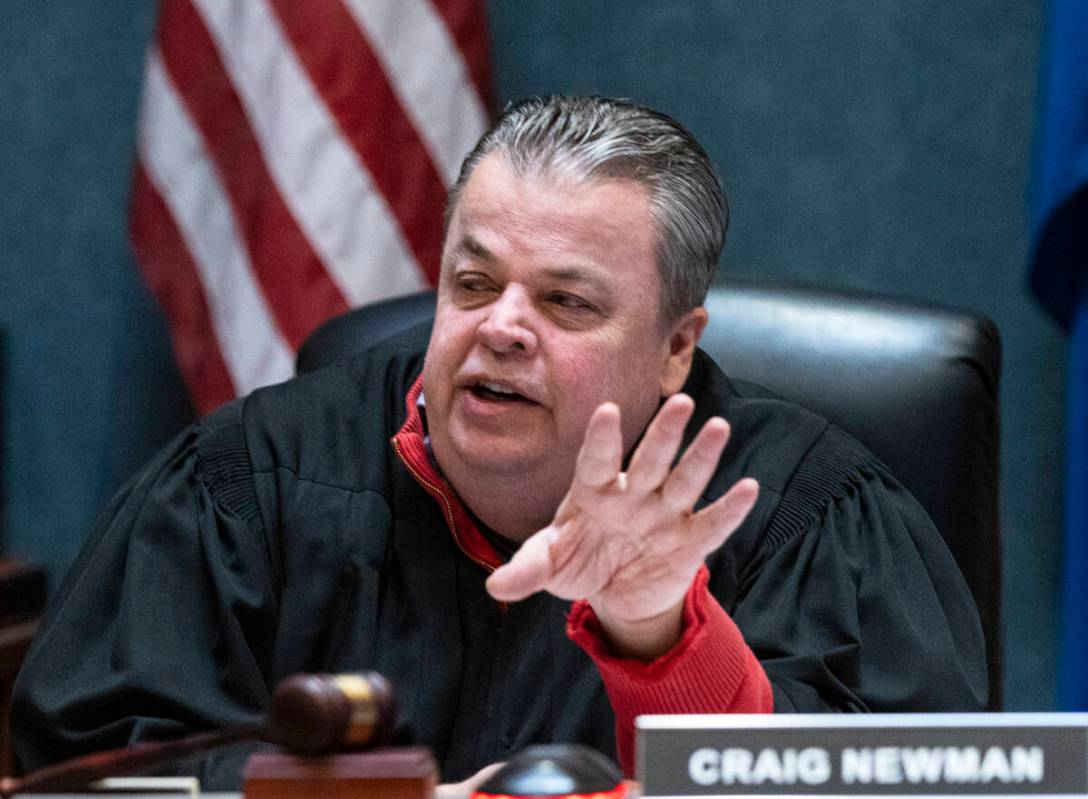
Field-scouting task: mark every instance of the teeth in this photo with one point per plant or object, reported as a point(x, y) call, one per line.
point(496, 388)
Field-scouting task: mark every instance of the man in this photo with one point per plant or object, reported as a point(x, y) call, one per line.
point(431, 517)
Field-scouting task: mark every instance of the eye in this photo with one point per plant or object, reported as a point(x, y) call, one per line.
point(570, 301)
point(473, 282)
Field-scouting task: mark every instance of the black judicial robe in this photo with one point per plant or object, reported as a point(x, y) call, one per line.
point(282, 534)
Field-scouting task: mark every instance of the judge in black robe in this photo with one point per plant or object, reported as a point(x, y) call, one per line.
point(282, 534)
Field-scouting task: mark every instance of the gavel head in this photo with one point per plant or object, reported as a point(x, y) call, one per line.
point(313, 714)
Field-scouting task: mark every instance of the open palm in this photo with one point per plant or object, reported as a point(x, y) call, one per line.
point(629, 542)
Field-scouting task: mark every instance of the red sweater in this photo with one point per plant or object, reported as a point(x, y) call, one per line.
point(710, 670)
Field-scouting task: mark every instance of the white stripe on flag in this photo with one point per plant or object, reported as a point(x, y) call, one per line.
point(177, 163)
point(320, 177)
point(441, 100)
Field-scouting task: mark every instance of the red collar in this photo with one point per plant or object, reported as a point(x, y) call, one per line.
point(409, 446)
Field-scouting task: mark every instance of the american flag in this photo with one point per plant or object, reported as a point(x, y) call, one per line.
point(293, 161)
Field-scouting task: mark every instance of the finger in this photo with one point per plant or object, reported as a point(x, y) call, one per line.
point(465, 788)
point(717, 521)
point(655, 453)
point(601, 455)
point(481, 776)
point(527, 572)
point(689, 479)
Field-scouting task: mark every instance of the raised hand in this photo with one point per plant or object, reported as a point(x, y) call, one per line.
point(628, 541)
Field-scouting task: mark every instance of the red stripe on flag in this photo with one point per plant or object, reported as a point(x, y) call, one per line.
point(298, 289)
point(467, 24)
point(172, 276)
point(353, 85)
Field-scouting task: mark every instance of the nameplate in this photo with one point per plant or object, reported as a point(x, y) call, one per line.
point(922, 754)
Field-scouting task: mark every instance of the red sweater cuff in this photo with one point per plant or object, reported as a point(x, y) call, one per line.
point(710, 670)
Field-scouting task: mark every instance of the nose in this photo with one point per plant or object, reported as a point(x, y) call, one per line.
point(509, 326)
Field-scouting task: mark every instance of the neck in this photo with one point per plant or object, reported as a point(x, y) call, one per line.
point(515, 507)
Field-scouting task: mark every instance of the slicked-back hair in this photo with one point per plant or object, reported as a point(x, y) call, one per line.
point(600, 138)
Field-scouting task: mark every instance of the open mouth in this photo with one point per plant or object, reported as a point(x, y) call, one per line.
point(493, 392)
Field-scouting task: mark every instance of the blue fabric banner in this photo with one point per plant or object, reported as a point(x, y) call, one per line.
point(1073, 676)
point(1059, 278)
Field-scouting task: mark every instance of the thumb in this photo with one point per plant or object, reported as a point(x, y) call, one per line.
point(527, 572)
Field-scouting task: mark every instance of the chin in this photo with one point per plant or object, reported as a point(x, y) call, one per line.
point(499, 460)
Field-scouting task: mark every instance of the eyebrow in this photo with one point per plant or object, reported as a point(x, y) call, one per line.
point(577, 274)
point(468, 245)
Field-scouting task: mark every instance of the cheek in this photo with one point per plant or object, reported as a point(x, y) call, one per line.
point(447, 339)
point(631, 377)
point(627, 376)
point(440, 362)
point(577, 389)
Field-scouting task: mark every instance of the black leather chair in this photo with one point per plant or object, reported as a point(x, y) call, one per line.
point(916, 383)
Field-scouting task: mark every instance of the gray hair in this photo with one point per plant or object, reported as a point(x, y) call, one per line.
point(597, 137)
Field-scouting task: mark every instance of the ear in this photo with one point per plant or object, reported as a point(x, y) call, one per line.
point(684, 334)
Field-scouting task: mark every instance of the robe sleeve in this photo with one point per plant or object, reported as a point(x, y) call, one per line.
point(165, 622)
point(863, 609)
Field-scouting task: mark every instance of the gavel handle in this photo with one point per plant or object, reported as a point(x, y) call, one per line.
point(76, 774)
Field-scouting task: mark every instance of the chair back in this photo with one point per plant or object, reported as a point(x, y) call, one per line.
point(916, 383)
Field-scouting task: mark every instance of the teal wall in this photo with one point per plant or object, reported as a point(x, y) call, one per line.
point(90, 390)
point(872, 144)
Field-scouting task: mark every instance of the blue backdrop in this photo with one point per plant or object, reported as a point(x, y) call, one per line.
point(865, 143)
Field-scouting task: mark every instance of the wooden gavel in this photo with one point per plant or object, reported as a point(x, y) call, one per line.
point(310, 714)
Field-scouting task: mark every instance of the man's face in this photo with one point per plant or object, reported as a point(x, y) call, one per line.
point(547, 306)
